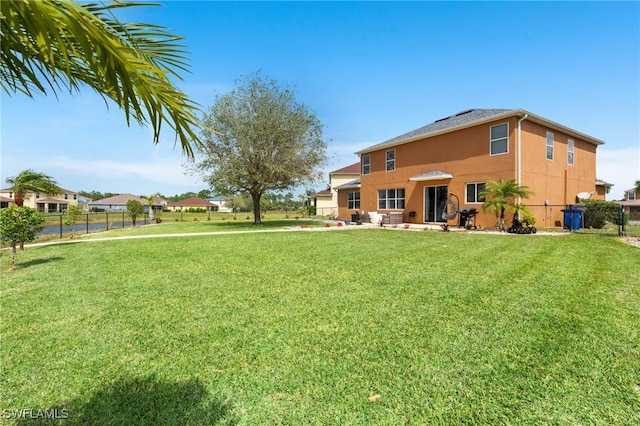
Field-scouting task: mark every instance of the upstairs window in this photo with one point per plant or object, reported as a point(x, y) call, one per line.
point(499, 143)
point(366, 164)
point(66, 196)
point(549, 146)
point(631, 196)
point(10, 194)
point(570, 148)
point(391, 160)
point(37, 195)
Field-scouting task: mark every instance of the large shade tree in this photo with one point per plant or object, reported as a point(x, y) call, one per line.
point(55, 45)
point(29, 181)
point(258, 138)
point(502, 196)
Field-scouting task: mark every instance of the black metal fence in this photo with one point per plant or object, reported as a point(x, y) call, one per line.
point(87, 223)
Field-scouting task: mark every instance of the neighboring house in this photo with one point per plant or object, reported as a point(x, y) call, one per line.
point(326, 201)
point(41, 202)
point(415, 173)
point(602, 189)
point(118, 203)
point(631, 203)
point(191, 203)
point(220, 204)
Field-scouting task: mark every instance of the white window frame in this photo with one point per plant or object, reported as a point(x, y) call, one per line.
point(550, 140)
point(631, 196)
point(353, 200)
point(390, 164)
point(476, 191)
point(571, 156)
point(492, 140)
point(366, 164)
point(391, 199)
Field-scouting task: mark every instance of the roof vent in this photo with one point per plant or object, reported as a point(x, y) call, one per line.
point(463, 113)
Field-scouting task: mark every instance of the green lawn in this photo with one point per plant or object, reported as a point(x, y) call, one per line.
point(305, 327)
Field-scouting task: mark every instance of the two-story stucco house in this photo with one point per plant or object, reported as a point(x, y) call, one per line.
point(41, 202)
point(415, 173)
point(326, 201)
point(631, 203)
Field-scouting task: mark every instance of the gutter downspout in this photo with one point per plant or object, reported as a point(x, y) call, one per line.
point(519, 156)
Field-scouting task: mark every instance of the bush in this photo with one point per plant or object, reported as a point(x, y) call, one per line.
point(196, 210)
point(599, 212)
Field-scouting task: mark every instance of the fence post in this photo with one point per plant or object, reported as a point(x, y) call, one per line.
point(87, 222)
point(622, 231)
point(122, 220)
point(60, 226)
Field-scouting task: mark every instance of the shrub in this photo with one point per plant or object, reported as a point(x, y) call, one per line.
point(599, 212)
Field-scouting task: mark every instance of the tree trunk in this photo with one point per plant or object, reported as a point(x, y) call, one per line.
point(12, 262)
point(18, 200)
point(257, 218)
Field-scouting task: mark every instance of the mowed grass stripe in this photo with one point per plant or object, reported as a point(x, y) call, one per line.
point(303, 327)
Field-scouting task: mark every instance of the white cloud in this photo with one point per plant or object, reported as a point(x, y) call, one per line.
point(620, 167)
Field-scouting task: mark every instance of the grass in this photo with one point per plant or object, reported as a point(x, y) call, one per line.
point(305, 327)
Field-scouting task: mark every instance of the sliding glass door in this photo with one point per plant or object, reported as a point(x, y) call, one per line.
point(435, 200)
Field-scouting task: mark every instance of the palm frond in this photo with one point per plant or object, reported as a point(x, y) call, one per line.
point(52, 45)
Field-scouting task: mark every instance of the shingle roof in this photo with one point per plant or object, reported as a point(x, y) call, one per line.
point(324, 193)
point(443, 124)
point(352, 184)
point(350, 169)
point(123, 198)
point(472, 117)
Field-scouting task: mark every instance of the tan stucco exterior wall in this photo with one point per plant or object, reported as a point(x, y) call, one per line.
point(465, 155)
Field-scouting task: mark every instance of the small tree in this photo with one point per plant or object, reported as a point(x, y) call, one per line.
point(502, 196)
point(19, 224)
point(71, 216)
point(134, 209)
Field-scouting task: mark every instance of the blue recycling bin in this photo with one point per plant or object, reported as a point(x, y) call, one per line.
point(572, 219)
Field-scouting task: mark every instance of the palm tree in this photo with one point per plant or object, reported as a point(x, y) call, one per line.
point(151, 200)
point(29, 181)
point(502, 196)
point(59, 45)
point(637, 189)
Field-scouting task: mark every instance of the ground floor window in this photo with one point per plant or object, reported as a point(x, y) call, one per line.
point(390, 199)
point(353, 200)
point(473, 192)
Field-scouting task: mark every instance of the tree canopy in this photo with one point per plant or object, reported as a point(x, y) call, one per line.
point(19, 224)
point(31, 181)
point(54, 45)
point(258, 138)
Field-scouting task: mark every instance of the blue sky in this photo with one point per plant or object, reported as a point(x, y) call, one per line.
point(369, 70)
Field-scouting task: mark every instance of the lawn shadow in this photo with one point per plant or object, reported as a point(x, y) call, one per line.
point(39, 261)
point(140, 401)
